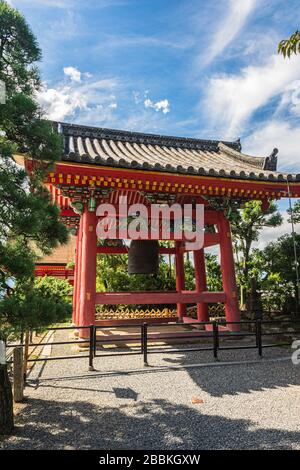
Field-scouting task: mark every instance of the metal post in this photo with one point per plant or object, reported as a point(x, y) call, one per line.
point(91, 349)
point(256, 334)
point(145, 344)
point(95, 340)
point(142, 338)
point(259, 338)
point(216, 339)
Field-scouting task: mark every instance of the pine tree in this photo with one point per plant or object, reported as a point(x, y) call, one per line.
point(28, 219)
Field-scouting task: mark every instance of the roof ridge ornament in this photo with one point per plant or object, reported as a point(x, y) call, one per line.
point(270, 162)
point(238, 143)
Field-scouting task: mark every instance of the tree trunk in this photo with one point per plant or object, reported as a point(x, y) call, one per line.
point(6, 402)
point(296, 290)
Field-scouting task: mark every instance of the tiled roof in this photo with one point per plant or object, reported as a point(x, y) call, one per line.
point(116, 148)
point(63, 254)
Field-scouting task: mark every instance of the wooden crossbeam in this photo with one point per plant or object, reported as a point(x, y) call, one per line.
point(142, 298)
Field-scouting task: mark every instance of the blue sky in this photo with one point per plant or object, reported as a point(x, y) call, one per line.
point(198, 68)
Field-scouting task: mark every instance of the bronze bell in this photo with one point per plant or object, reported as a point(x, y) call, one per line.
point(143, 257)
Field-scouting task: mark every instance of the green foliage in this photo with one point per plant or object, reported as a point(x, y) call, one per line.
point(279, 257)
point(213, 273)
point(35, 306)
point(189, 273)
point(112, 276)
point(275, 273)
point(290, 46)
point(294, 213)
point(251, 219)
point(27, 215)
point(20, 117)
point(16, 260)
point(30, 312)
point(54, 288)
point(246, 226)
point(18, 51)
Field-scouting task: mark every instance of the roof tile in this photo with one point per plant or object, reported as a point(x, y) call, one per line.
point(165, 153)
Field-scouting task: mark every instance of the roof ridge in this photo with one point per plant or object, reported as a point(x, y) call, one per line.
point(180, 155)
point(256, 162)
point(141, 137)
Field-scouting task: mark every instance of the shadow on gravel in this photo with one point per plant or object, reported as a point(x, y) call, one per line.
point(217, 381)
point(244, 378)
point(156, 424)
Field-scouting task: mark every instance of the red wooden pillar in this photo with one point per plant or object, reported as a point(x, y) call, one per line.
point(180, 279)
point(88, 271)
point(228, 273)
point(78, 271)
point(75, 285)
point(200, 278)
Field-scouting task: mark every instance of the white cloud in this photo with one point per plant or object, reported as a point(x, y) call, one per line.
point(232, 99)
point(291, 98)
point(280, 134)
point(73, 73)
point(91, 99)
point(94, 101)
point(162, 105)
point(230, 26)
point(61, 102)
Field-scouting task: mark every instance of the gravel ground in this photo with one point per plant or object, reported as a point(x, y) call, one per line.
point(238, 406)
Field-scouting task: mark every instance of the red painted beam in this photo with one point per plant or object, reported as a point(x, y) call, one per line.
point(113, 250)
point(211, 217)
point(234, 183)
point(66, 274)
point(210, 239)
point(129, 298)
point(54, 272)
point(68, 213)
